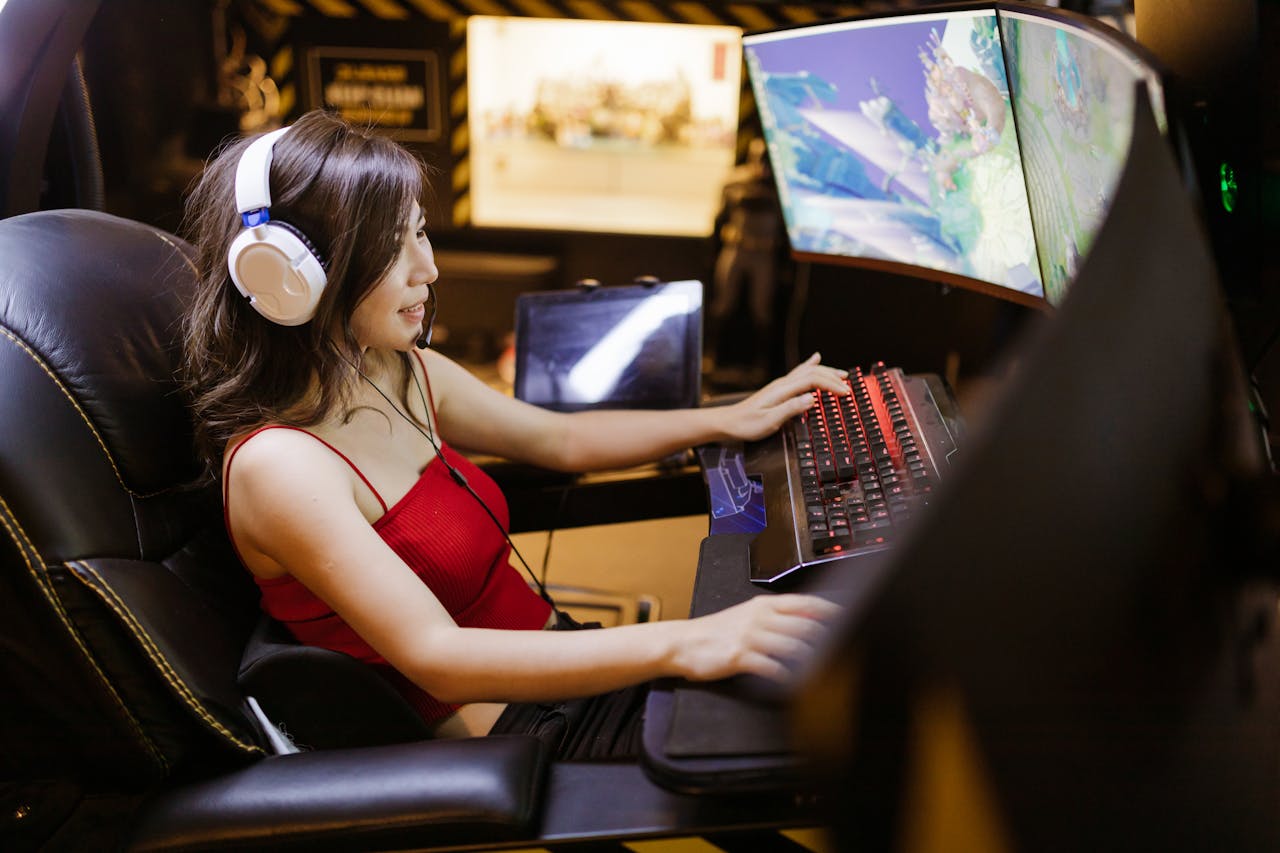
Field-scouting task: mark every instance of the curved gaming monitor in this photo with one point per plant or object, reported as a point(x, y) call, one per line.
point(1066, 619)
point(1072, 83)
point(976, 145)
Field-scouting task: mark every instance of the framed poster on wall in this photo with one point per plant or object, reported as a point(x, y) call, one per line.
point(387, 75)
point(394, 90)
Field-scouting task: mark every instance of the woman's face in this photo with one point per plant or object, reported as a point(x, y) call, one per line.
point(390, 315)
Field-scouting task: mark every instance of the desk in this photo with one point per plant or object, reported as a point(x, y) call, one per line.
point(733, 736)
point(745, 746)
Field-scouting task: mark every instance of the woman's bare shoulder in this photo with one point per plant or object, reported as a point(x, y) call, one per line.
point(279, 480)
point(280, 453)
point(289, 501)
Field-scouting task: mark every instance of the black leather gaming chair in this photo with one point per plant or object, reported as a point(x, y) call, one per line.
point(130, 637)
point(124, 618)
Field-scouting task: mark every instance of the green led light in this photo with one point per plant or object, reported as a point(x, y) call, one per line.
point(1230, 189)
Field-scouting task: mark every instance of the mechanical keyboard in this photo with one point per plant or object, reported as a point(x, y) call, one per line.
point(836, 483)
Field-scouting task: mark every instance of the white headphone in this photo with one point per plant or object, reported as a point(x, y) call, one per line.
point(271, 262)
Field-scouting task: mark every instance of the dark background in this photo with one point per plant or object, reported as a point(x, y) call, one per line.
point(158, 77)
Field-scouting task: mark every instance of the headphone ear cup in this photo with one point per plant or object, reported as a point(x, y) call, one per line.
point(278, 269)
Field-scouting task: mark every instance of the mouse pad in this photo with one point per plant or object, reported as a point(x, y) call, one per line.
point(724, 718)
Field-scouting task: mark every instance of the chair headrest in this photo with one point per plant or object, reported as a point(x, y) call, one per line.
point(93, 424)
point(98, 298)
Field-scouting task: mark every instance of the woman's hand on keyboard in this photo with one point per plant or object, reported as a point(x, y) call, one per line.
point(764, 636)
point(784, 398)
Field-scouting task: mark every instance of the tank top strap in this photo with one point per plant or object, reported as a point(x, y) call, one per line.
point(227, 475)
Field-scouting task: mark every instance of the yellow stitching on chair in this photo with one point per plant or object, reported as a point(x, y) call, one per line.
point(26, 548)
point(113, 601)
point(75, 405)
point(19, 537)
point(15, 533)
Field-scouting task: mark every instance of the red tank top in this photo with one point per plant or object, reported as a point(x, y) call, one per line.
point(448, 540)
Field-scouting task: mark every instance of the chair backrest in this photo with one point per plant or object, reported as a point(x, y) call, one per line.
point(39, 40)
point(123, 613)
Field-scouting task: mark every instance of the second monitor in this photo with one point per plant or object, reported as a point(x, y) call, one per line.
point(630, 346)
point(978, 146)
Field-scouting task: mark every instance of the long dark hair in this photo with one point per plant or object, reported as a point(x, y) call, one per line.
point(351, 192)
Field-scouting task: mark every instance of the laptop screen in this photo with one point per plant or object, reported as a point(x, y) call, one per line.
point(623, 347)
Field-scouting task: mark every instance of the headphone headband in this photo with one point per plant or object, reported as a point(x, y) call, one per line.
point(253, 174)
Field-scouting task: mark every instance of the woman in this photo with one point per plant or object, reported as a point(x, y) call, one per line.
point(346, 495)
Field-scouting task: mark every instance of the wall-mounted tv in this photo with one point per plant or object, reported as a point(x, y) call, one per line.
point(609, 126)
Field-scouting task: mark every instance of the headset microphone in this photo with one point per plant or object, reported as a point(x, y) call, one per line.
point(424, 340)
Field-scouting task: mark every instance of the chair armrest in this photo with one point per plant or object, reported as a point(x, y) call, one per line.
point(324, 699)
point(434, 793)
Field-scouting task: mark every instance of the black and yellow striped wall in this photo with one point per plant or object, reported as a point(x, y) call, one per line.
point(271, 21)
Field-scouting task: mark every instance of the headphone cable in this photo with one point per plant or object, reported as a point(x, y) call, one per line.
point(457, 476)
point(551, 531)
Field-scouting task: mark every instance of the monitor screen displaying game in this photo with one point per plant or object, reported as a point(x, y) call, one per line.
point(893, 140)
point(1073, 89)
point(629, 346)
point(609, 126)
point(978, 146)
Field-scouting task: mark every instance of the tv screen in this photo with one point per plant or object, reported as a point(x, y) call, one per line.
point(893, 140)
point(607, 126)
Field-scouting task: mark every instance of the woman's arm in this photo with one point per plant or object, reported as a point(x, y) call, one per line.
point(478, 418)
point(293, 509)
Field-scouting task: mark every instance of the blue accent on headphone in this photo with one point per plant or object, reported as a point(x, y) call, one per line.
point(255, 217)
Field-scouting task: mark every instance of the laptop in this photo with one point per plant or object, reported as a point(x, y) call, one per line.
point(634, 346)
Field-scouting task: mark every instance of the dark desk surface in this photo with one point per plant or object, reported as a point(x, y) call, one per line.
point(732, 736)
point(717, 737)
